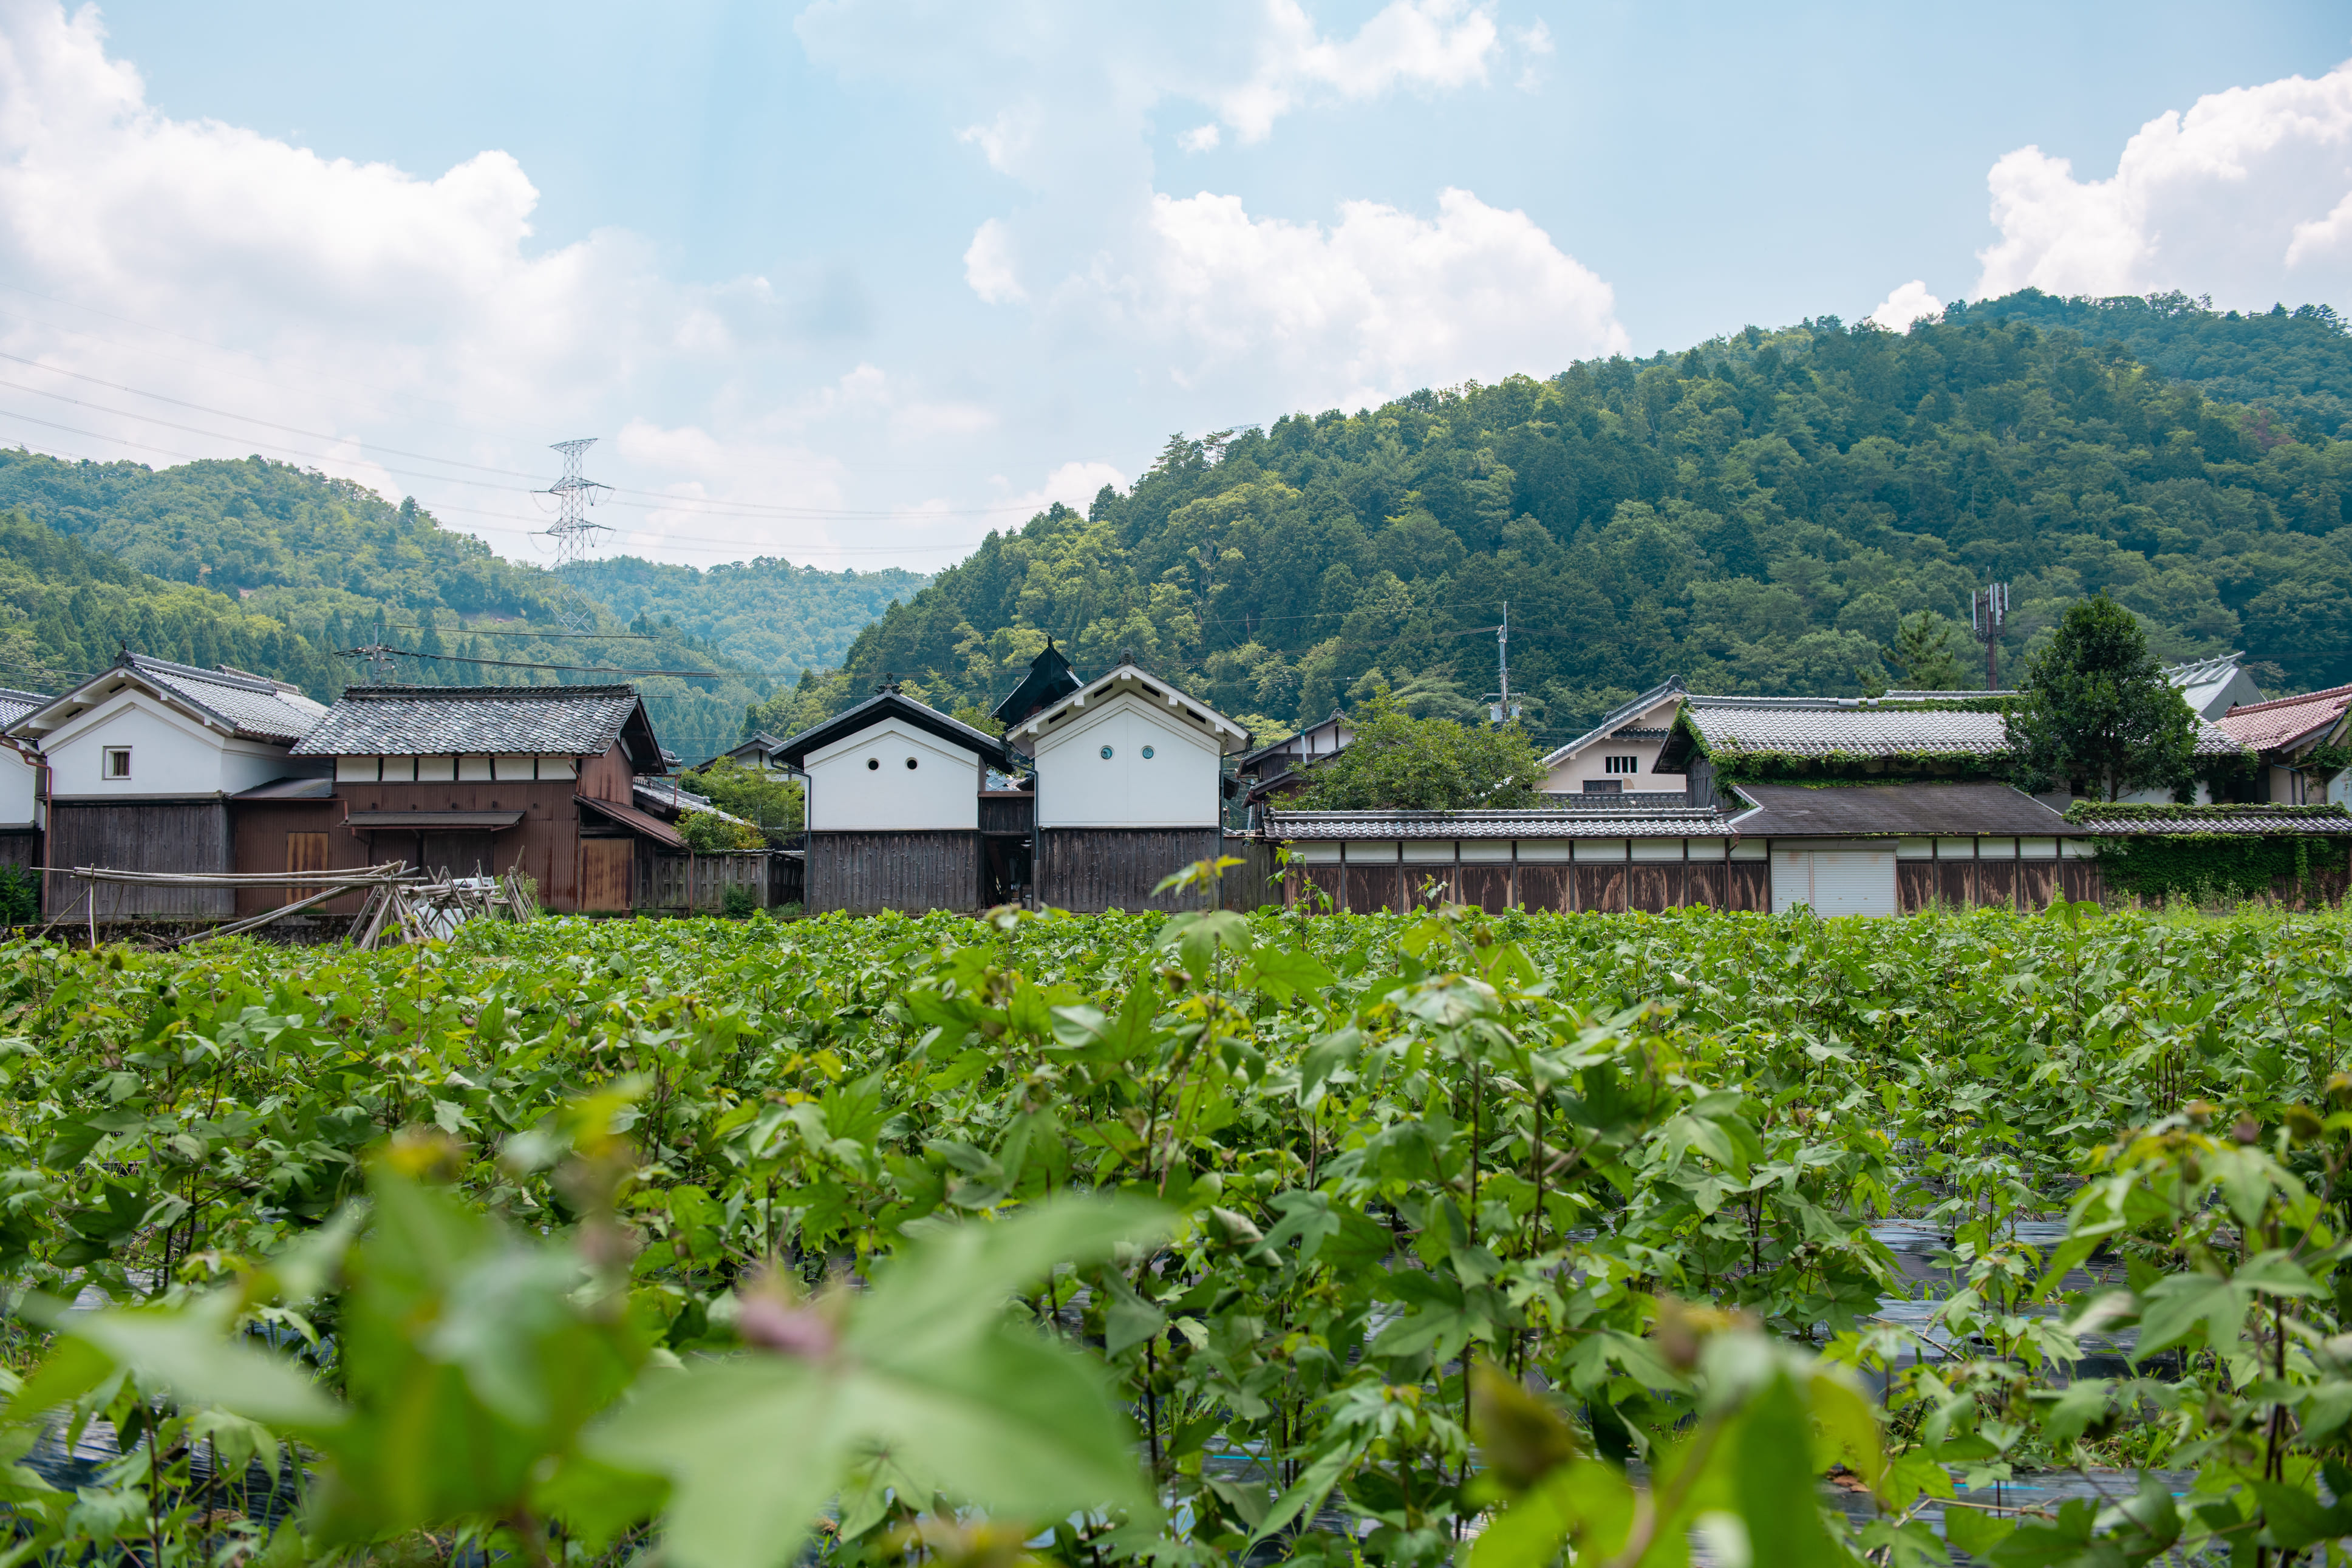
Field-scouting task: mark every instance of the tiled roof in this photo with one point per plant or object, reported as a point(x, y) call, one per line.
point(2232, 819)
point(429, 720)
point(657, 797)
point(1851, 811)
point(253, 707)
point(895, 704)
point(1866, 727)
point(2263, 725)
point(1689, 822)
point(15, 704)
point(1131, 679)
point(1828, 726)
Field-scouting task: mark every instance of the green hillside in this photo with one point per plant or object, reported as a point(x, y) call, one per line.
point(770, 613)
point(1754, 514)
point(275, 568)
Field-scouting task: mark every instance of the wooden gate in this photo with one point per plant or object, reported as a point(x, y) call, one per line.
point(605, 867)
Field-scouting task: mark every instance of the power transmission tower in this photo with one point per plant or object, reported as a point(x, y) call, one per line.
point(574, 535)
point(1988, 613)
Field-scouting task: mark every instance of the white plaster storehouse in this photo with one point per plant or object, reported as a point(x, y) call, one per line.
point(142, 758)
point(1130, 787)
point(895, 807)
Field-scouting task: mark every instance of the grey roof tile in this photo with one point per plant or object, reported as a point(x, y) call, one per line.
point(254, 706)
point(2129, 823)
point(1868, 727)
point(427, 720)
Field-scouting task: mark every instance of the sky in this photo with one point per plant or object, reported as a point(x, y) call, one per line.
point(855, 282)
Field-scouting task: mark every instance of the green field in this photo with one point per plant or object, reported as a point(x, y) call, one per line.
point(2067, 1189)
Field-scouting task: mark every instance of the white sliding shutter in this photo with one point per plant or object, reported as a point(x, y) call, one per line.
point(1834, 882)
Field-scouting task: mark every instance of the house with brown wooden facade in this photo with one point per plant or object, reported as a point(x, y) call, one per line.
point(471, 781)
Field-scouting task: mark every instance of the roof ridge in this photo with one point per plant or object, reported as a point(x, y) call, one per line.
point(536, 693)
point(2288, 702)
point(149, 663)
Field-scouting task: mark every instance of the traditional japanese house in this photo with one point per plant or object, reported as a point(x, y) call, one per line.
point(1619, 756)
point(143, 760)
point(2299, 743)
point(475, 781)
point(899, 813)
point(1278, 770)
point(1130, 788)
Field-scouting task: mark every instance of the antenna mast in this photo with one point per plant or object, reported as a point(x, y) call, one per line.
point(1988, 613)
point(574, 535)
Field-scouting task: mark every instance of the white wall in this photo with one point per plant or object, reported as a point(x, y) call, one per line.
point(1078, 786)
point(940, 792)
point(19, 790)
point(170, 753)
point(1566, 775)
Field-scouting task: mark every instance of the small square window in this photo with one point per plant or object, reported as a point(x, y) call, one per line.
point(1622, 764)
point(118, 762)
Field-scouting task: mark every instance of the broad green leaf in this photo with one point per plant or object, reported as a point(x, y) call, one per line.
point(2175, 1305)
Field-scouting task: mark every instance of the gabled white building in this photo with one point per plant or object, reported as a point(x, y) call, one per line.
point(1620, 754)
point(142, 760)
point(1130, 786)
point(896, 801)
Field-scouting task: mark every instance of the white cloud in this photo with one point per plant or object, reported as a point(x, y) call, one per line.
point(1201, 138)
point(1906, 305)
point(1383, 302)
point(1439, 44)
point(372, 305)
point(988, 265)
point(2247, 196)
point(1074, 484)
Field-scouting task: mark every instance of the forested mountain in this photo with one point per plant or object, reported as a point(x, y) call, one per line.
point(768, 612)
point(274, 568)
point(1754, 514)
point(2295, 366)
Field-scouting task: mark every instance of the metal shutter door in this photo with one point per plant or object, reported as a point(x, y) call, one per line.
point(1834, 882)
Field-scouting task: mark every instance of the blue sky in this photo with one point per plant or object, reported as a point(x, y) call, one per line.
point(854, 282)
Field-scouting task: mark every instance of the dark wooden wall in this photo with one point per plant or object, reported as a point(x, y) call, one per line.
point(1544, 886)
point(176, 836)
point(1008, 811)
point(866, 873)
point(2027, 885)
point(260, 829)
point(668, 881)
point(1090, 869)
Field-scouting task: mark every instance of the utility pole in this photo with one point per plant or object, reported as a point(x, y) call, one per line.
point(574, 535)
point(1501, 709)
point(1987, 612)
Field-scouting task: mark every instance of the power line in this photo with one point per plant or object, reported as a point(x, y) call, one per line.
point(438, 508)
point(649, 501)
point(373, 649)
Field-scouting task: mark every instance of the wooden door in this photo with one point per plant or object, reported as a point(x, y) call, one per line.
point(304, 852)
point(605, 867)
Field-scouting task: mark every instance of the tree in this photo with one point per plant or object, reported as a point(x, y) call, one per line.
point(1923, 653)
point(774, 802)
point(2097, 710)
point(1399, 763)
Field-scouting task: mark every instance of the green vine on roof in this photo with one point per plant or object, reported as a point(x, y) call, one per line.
point(2106, 811)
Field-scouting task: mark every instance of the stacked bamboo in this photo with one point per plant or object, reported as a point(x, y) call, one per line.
point(400, 905)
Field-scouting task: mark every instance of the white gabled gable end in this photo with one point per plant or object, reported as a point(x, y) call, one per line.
point(861, 783)
point(1129, 751)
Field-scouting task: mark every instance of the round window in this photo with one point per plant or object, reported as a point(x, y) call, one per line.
point(1106, 754)
point(910, 765)
point(1147, 754)
point(871, 764)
